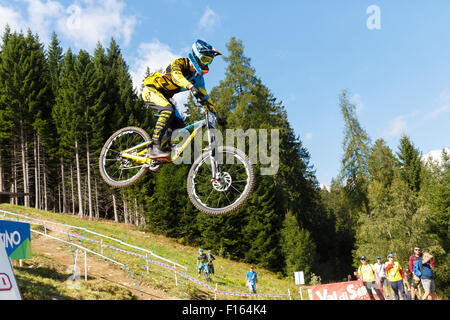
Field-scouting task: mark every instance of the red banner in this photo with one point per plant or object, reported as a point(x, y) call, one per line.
point(351, 290)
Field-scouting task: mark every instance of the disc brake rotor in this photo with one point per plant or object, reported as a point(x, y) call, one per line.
point(223, 183)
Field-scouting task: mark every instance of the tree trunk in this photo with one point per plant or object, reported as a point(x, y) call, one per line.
point(59, 197)
point(39, 187)
point(116, 217)
point(80, 200)
point(125, 211)
point(73, 189)
point(143, 223)
point(136, 214)
point(97, 209)
point(63, 187)
point(36, 185)
point(14, 200)
point(24, 165)
point(45, 188)
point(89, 179)
point(1, 172)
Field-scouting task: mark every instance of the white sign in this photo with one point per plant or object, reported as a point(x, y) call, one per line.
point(299, 278)
point(8, 284)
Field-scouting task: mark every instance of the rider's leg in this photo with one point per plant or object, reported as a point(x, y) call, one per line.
point(157, 101)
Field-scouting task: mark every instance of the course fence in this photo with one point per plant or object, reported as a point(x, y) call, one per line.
point(164, 262)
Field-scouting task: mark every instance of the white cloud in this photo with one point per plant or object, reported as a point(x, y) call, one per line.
point(82, 22)
point(155, 55)
point(438, 111)
point(443, 103)
point(12, 17)
point(435, 155)
point(309, 136)
point(41, 15)
point(398, 127)
point(209, 19)
point(96, 21)
point(359, 104)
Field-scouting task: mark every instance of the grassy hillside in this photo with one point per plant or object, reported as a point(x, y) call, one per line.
point(43, 277)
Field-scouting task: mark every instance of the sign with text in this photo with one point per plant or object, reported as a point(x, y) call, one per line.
point(17, 239)
point(351, 290)
point(299, 278)
point(8, 284)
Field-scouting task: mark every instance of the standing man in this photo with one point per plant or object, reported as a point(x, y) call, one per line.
point(366, 273)
point(202, 261)
point(252, 279)
point(395, 277)
point(380, 274)
point(211, 258)
point(424, 270)
point(415, 282)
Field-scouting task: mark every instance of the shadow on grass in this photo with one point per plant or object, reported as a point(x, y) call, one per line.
point(34, 283)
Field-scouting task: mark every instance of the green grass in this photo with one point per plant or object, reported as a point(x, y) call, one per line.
point(229, 275)
point(42, 278)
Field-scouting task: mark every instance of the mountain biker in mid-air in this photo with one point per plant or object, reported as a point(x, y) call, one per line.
point(202, 261)
point(181, 75)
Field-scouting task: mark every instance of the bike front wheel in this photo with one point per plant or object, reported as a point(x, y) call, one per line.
point(218, 197)
point(116, 170)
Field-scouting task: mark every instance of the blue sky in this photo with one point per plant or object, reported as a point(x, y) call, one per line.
point(306, 52)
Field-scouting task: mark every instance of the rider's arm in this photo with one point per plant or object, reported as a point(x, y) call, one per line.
point(201, 87)
point(176, 72)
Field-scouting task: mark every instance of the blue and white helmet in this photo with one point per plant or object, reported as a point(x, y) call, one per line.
point(201, 55)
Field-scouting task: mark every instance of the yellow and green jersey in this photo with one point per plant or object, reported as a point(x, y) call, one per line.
point(175, 79)
point(366, 273)
point(394, 271)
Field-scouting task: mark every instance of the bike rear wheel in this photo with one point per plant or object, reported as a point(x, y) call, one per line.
point(117, 171)
point(218, 198)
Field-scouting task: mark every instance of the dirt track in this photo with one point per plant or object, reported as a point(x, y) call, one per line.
point(96, 268)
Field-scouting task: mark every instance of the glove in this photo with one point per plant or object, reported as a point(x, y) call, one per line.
point(198, 95)
point(222, 122)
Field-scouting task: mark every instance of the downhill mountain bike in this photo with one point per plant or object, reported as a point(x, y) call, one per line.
point(219, 182)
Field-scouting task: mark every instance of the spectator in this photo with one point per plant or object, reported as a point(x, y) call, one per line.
point(415, 281)
point(380, 274)
point(424, 270)
point(407, 282)
point(367, 274)
point(252, 279)
point(394, 274)
point(202, 260)
point(211, 258)
point(349, 277)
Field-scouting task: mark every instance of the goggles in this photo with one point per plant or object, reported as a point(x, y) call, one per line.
point(206, 60)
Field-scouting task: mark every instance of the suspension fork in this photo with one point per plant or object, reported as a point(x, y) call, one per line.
point(215, 169)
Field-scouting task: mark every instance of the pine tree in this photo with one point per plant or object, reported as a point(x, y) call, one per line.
point(297, 247)
point(55, 57)
point(261, 230)
point(356, 143)
point(435, 190)
point(23, 74)
point(409, 163)
point(381, 163)
point(247, 103)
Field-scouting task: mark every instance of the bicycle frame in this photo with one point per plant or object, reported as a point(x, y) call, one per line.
point(141, 156)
